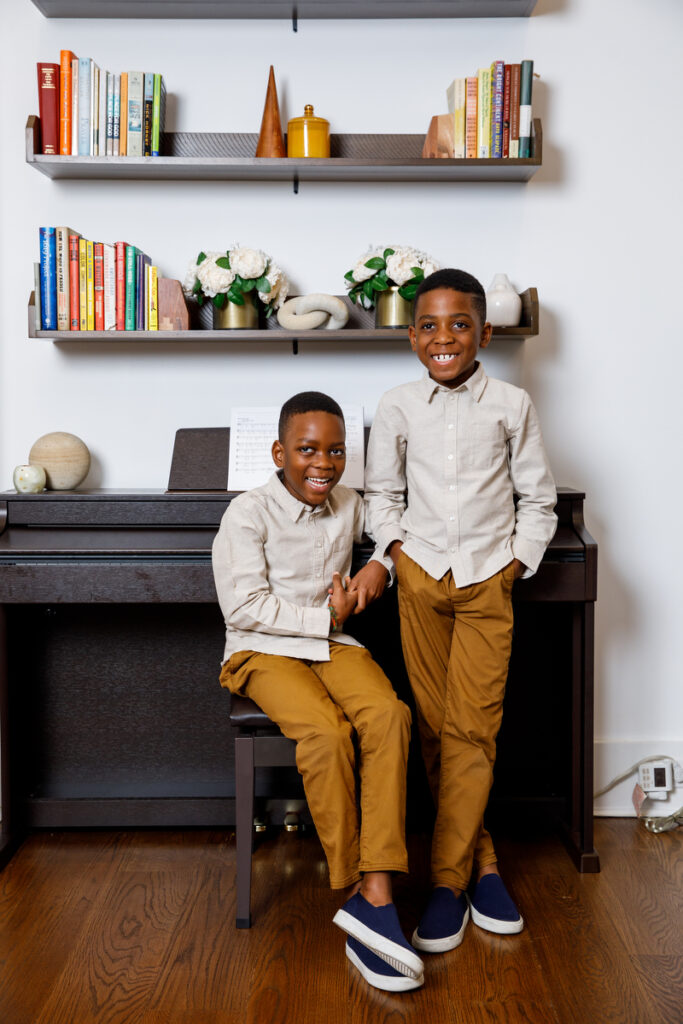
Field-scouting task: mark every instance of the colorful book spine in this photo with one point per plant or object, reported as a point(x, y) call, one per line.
point(130, 287)
point(484, 113)
point(63, 278)
point(456, 96)
point(471, 118)
point(148, 102)
point(109, 267)
point(48, 107)
point(95, 110)
point(98, 284)
point(526, 79)
point(74, 106)
point(135, 112)
point(65, 102)
point(120, 251)
point(84, 137)
point(123, 123)
point(82, 285)
point(109, 142)
point(506, 111)
point(89, 285)
point(158, 114)
point(514, 110)
point(140, 289)
point(48, 279)
point(116, 127)
point(497, 92)
point(152, 298)
point(74, 286)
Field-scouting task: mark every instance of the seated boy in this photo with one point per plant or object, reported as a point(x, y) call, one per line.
point(279, 558)
point(448, 455)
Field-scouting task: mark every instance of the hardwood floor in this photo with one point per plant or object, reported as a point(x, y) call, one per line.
point(138, 928)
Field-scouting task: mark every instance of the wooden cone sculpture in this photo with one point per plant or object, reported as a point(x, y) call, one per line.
point(270, 140)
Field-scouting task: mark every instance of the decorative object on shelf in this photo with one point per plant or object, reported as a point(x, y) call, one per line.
point(236, 318)
point(440, 138)
point(29, 479)
point(392, 310)
point(503, 304)
point(238, 276)
point(270, 140)
point(382, 268)
point(308, 312)
point(64, 457)
point(308, 136)
point(173, 312)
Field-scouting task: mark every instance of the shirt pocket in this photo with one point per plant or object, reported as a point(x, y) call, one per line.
point(484, 445)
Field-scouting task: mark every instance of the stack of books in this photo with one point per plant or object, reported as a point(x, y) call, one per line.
point(492, 111)
point(87, 112)
point(82, 285)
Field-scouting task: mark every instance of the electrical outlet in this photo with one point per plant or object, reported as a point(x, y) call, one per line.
point(656, 779)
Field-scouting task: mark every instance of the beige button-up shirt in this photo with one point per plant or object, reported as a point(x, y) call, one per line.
point(273, 559)
point(444, 467)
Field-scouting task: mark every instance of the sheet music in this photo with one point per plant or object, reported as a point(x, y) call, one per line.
point(252, 432)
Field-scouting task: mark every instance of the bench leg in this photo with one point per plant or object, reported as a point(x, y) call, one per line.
point(244, 800)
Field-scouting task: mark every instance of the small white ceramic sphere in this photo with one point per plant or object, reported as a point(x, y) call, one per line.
point(29, 479)
point(64, 457)
point(503, 304)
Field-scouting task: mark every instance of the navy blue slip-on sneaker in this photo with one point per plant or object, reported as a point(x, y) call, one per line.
point(443, 923)
point(379, 929)
point(492, 907)
point(376, 971)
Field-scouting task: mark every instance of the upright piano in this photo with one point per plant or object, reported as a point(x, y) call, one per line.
point(111, 714)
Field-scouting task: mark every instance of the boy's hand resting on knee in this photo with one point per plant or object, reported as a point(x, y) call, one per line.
point(342, 602)
point(368, 583)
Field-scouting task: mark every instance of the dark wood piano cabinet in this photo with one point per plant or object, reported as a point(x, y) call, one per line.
point(111, 712)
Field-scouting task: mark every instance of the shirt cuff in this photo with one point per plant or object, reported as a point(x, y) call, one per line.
point(386, 561)
point(316, 622)
point(529, 552)
point(387, 536)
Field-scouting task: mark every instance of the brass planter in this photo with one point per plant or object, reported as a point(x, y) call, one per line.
point(392, 310)
point(235, 318)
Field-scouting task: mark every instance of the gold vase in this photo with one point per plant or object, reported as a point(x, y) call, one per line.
point(392, 310)
point(235, 318)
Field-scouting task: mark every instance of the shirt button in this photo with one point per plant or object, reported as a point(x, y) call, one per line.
point(450, 426)
point(452, 550)
point(451, 518)
point(451, 487)
point(450, 458)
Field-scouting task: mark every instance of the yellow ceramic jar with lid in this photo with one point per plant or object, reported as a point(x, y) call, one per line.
point(308, 135)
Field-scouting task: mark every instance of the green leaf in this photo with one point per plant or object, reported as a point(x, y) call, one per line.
point(348, 276)
point(368, 290)
point(201, 258)
point(382, 278)
point(388, 253)
point(268, 310)
point(249, 285)
point(235, 295)
point(407, 291)
point(263, 284)
point(219, 301)
point(375, 263)
point(419, 274)
point(223, 262)
point(200, 299)
point(197, 287)
point(379, 286)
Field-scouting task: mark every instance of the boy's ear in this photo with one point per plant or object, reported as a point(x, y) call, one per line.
point(413, 337)
point(278, 453)
point(486, 333)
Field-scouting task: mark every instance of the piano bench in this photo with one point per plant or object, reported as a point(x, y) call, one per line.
point(259, 744)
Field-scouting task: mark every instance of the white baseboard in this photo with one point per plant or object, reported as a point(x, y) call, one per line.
point(613, 757)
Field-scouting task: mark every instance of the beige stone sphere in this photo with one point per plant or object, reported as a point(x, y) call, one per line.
point(64, 457)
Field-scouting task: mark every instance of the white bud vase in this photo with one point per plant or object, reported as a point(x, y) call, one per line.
point(503, 304)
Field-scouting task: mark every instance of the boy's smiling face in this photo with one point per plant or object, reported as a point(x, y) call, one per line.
point(312, 455)
point(447, 334)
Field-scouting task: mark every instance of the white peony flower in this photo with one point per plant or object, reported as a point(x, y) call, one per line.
point(248, 263)
point(215, 280)
point(190, 278)
point(400, 266)
point(360, 271)
point(279, 287)
point(429, 267)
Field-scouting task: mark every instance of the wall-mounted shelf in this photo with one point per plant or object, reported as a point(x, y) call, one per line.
point(229, 157)
point(289, 9)
point(360, 328)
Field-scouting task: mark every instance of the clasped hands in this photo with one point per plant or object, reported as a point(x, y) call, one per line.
point(355, 593)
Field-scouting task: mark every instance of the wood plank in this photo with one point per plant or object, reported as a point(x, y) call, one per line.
point(303, 9)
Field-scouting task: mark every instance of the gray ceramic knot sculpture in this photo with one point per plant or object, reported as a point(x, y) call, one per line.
point(307, 312)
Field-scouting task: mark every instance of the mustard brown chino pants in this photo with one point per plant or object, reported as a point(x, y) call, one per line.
point(320, 704)
point(456, 644)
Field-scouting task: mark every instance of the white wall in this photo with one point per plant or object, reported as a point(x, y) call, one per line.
point(596, 231)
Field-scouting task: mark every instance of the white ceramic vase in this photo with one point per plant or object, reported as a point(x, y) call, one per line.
point(503, 304)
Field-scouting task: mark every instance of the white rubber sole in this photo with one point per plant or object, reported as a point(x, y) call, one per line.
point(493, 924)
point(444, 944)
point(401, 959)
point(402, 984)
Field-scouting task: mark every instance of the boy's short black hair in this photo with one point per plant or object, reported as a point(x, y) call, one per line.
point(306, 401)
point(457, 281)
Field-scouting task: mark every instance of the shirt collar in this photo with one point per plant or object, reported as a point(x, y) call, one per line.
point(291, 506)
point(474, 384)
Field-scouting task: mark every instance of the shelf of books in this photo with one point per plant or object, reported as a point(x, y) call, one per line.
point(229, 157)
point(300, 10)
point(360, 328)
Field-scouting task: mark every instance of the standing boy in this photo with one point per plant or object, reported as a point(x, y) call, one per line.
point(279, 558)
point(461, 497)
